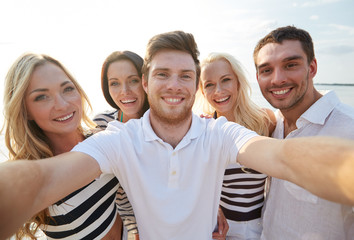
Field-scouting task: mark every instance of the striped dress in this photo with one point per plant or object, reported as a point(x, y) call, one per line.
point(125, 209)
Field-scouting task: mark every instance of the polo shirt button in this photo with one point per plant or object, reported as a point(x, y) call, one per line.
point(173, 173)
point(174, 154)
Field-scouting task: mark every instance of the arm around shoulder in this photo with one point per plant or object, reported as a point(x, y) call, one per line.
point(322, 165)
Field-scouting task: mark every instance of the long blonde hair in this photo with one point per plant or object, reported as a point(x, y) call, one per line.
point(246, 112)
point(23, 138)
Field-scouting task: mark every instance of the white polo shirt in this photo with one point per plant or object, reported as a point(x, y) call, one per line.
point(175, 193)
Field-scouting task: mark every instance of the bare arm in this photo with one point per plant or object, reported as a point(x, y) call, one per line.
point(27, 187)
point(322, 165)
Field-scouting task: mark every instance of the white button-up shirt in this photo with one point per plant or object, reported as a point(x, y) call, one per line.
point(175, 192)
point(291, 212)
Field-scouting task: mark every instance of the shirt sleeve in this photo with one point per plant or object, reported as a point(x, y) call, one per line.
point(103, 147)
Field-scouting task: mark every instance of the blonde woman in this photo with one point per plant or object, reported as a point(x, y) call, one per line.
point(227, 91)
point(45, 115)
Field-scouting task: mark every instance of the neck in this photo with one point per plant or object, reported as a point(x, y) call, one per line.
point(170, 132)
point(122, 117)
point(64, 143)
point(292, 114)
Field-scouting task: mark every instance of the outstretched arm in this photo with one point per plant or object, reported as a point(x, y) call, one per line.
point(27, 187)
point(322, 165)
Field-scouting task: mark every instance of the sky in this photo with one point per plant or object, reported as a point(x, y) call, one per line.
point(82, 33)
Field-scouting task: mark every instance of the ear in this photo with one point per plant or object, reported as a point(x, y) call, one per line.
point(257, 75)
point(145, 83)
point(313, 68)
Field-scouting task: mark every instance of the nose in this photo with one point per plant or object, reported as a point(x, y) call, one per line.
point(279, 77)
point(218, 88)
point(125, 88)
point(173, 83)
point(60, 102)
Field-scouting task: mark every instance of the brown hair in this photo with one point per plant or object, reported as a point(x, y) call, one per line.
point(287, 33)
point(176, 40)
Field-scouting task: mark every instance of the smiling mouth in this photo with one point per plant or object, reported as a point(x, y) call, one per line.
point(64, 118)
point(222, 99)
point(128, 101)
point(173, 100)
point(281, 92)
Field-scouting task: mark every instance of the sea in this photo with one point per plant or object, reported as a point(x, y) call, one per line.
point(345, 92)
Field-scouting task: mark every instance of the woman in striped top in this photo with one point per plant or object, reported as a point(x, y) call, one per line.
point(226, 89)
point(123, 90)
point(45, 115)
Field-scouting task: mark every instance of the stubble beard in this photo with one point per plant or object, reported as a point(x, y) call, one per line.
point(172, 118)
point(295, 101)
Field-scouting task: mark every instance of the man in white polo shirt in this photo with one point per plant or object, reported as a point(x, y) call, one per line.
point(171, 162)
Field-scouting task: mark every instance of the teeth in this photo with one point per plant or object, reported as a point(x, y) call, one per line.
point(128, 101)
point(281, 92)
point(173, 100)
point(65, 118)
point(222, 99)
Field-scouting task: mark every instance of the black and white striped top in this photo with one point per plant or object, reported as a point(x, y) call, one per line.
point(125, 209)
point(242, 193)
point(87, 213)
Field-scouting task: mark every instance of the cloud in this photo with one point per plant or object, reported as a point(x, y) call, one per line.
point(337, 50)
point(318, 3)
point(348, 29)
point(314, 17)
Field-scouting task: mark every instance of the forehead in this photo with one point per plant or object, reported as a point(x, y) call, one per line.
point(272, 52)
point(121, 66)
point(173, 60)
point(47, 75)
point(215, 69)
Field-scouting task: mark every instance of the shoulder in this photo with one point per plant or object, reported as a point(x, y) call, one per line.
point(102, 119)
point(272, 120)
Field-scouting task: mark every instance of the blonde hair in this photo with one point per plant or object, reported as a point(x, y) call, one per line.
point(246, 112)
point(23, 138)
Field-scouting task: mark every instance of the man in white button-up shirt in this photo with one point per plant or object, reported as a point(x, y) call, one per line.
point(286, 66)
point(171, 162)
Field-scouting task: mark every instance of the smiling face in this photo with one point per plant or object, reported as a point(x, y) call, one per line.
point(284, 75)
point(52, 101)
point(171, 86)
point(125, 88)
point(219, 86)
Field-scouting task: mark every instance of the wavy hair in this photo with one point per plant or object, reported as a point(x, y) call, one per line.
point(23, 138)
point(246, 112)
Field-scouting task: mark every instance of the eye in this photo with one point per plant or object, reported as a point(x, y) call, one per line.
point(161, 74)
point(40, 98)
point(291, 65)
point(265, 71)
point(69, 89)
point(186, 76)
point(135, 80)
point(113, 83)
point(226, 79)
point(208, 85)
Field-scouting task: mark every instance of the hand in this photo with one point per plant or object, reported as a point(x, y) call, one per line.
point(223, 227)
point(205, 115)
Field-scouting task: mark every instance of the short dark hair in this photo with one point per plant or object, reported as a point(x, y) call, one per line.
point(287, 33)
point(118, 56)
point(176, 40)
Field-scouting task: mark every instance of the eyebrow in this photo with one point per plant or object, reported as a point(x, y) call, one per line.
point(168, 69)
point(287, 59)
point(46, 89)
point(130, 76)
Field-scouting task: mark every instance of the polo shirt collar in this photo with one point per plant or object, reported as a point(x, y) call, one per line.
point(320, 110)
point(196, 129)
